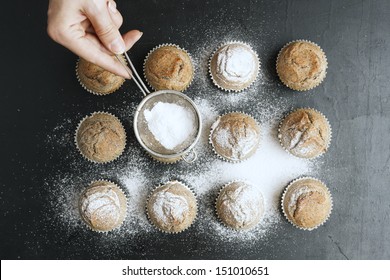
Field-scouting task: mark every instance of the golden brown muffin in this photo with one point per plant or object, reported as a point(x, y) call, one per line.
point(235, 136)
point(172, 207)
point(103, 206)
point(307, 203)
point(101, 137)
point(97, 80)
point(234, 66)
point(301, 65)
point(168, 67)
point(240, 205)
point(305, 133)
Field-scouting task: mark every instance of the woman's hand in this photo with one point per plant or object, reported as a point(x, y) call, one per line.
point(89, 28)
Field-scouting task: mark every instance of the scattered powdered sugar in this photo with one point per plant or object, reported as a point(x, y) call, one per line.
point(169, 207)
point(170, 124)
point(236, 63)
point(269, 170)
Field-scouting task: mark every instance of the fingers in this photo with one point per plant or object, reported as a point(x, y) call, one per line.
point(131, 38)
point(105, 27)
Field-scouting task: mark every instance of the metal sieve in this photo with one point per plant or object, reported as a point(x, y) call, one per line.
point(145, 137)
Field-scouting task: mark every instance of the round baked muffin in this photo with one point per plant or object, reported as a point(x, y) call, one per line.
point(307, 203)
point(235, 136)
point(301, 65)
point(305, 133)
point(103, 206)
point(97, 80)
point(234, 66)
point(240, 205)
point(172, 207)
point(168, 67)
point(100, 137)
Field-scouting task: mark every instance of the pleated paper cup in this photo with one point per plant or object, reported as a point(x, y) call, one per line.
point(154, 83)
point(232, 85)
point(295, 198)
point(159, 200)
point(291, 85)
point(96, 211)
point(305, 153)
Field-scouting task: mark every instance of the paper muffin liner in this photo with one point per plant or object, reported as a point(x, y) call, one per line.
point(161, 185)
point(127, 206)
point(216, 210)
point(168, 45)
point(95, 92)
point(234, 90)
point(304, 108)
point(77, 130)
point(285, 192)
point(305, 41)
point(212, 144)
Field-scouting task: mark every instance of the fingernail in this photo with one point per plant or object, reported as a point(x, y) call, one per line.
point(112, 7)
point(118, 46)
point(140, 35)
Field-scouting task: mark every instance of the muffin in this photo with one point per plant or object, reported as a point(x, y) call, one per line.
point(234, 66)
point(307, 203)
point(305, 133)
point(172, 207)
point(301, 65)
point(235, 137)
point(103, 206)
point(168, 67)
point(100, 137)
point(240, 205)
point(95, 79)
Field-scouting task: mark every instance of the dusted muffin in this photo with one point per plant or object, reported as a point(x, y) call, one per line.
point(234, 66)
point(100, 137)
point(301, 65)
point(240, 205)
point(97, 80)
point(172, 207)
point(235, 136)
point(103, 206)
point(305, 133)
point(168, 67)
point(307, 203)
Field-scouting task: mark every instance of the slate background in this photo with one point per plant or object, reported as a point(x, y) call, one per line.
point(38, 86)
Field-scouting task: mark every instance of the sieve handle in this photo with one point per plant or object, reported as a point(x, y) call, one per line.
point(136, 78)
point(190, 157)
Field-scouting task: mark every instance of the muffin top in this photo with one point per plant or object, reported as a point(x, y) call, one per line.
point(172, 207)
point(234, 66)
point(240, 205)
point(305, 133)
point(97, 80)
point(101, 137)
point(301, 65)
point(235, 136)
point(169, 67)
point(103, 206)
point(307, 203)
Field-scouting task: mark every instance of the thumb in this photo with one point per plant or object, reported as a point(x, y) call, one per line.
point(105, 28)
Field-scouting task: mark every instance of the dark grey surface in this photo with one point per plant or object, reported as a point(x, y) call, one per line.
point(39, 90)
